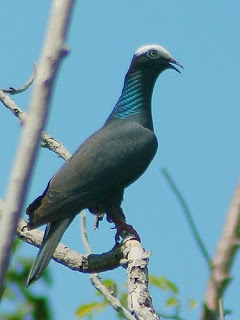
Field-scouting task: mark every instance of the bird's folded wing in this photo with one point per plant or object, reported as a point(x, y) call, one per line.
point(111, 159)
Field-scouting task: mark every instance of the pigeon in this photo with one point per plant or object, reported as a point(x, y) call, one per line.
point(111, 159)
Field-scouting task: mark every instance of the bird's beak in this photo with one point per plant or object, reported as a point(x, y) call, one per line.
point(171, 65)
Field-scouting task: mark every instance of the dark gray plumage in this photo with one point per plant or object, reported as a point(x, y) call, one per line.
point(106, 163)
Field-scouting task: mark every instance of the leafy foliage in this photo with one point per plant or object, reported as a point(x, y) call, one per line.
point(163, 284)
point(173, 300)
point(18, 302)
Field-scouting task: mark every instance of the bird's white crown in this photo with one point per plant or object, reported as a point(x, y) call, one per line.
point(162, 52)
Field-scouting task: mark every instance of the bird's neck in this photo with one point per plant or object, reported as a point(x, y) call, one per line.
point(136, 96)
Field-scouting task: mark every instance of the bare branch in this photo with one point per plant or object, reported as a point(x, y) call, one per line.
point(189, 218)
point(139, 300)
point(226, 251)
point(47, 140)
point(53, 52)
point(84, 233)
point(13, 91)
point(221, 310)
point(55, 146)
point(12, 106)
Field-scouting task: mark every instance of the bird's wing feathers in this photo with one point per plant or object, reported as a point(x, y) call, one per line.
point(111, 159)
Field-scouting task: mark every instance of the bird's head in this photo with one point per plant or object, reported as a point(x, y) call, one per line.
point(154, 57)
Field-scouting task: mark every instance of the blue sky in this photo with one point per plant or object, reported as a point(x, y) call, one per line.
point(196, 118)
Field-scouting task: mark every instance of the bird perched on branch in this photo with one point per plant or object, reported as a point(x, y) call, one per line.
point(106, 163)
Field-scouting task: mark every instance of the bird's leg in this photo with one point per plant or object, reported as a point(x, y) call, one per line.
point(98, 212)
point(117, 216)
point(121, 226)
point(98, 218)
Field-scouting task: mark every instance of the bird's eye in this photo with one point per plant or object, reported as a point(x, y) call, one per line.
point(152, 53)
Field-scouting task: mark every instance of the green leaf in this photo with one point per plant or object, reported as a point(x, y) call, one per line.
point(87, 309)
point(172, 302)
point(9, 294)
point(227, 312)
point(193, 303)
point(163, 283)
point(16, 245)
point(112, 287)
point(123, 299)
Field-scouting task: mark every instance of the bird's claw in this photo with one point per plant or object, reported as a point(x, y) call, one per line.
point(123, 226)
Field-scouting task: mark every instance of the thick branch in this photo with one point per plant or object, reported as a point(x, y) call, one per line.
point(136, 259)
point(226, 251)
point(53, 52)
point(139, 300)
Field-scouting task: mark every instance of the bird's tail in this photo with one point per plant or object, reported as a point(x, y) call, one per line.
point(53, 234)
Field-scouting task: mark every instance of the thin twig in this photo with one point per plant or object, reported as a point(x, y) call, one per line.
point(53, 52)
point(55, 146)
point(12, 106)
point(97, 283)
point(47, 140)
point(115, 303)
point(26, 85)
point(221, 310)
point(227, 248)
point(84, 232)
point(189, 218)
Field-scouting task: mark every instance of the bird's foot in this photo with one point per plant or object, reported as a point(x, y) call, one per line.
point(29, 227)
point(121, 226)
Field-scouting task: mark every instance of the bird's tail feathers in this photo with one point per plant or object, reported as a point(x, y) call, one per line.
point(53, 234)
